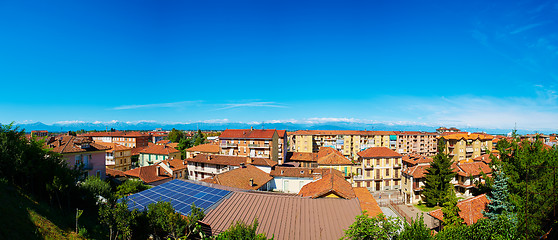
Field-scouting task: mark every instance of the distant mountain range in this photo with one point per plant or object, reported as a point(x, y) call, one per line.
point(337, 125)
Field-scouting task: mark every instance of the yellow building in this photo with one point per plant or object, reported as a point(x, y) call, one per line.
point(349, 143)
point(117, 157)
point(380, 169)
point(331, 158)
point(463, 146)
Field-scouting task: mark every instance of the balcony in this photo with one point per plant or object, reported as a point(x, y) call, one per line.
point(228, 145)
point(368, 166)
point(258, 145)
point(397, 165)
point(360, 177)
point(110, 163)
point(469, 149)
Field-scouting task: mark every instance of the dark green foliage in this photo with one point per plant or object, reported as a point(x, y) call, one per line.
point(417, 230)
point(498, 197)
point(176, 135)
point(485, 229)
point(185, 143)
point(241, 231)
point(379, 227)
point(450, 209)
point(95, 188)
point(118, 220)
point(130, 186)
point(437, 179)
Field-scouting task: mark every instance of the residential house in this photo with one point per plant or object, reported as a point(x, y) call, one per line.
point(380, 169)
point(158, 135)
point(462, 146)
point(39, 133)
point(152, 174)
point(413, 173)
point(329, 186)
point(349, 143)
point(245, 177)
point(178, 167)
point(203, 166)
point(468, 174)
point(303, 159)
point(414, 142)
point(441, 130)
point(265, 143)
point(208, 148)
point(291, 179)
point(81, 152)
point(117, 156)
point(128, 139)
point(156, 153)
point(470, 210)
point(331, 158)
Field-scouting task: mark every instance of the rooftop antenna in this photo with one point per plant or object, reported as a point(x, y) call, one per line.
point(262, 125)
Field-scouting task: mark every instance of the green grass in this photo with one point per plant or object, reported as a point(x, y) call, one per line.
point(22, 217)
point(424, 208)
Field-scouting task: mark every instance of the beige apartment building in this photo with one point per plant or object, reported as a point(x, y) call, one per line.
point(128, 139)
point(463, 146)
point(264, 143)
point(380, 169)
point(349, 143)
point(117, 157)
point(414, 142)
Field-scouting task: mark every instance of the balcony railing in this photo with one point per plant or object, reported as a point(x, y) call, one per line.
point(228, 145)
point(469, 149)
point(360, 177)
point(110, 163)
point(369, 166)
point(258, 145)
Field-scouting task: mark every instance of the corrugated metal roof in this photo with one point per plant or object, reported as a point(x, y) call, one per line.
point(285, 217)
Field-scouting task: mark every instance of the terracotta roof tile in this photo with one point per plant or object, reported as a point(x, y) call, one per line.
point(232, 160)
point(303, 172)
point(114, 173)
point(148, 174)
point(303, 156)
point(329, 184)
point(113, 146)
point(469, 209)
point(416, 159)
point(471, 168)
point(176, 164)
point(159, 150)
point(367, 201)
point(334, 159)
point(71, 144)
point(204, 148)
point(247, 133)
point(240, 178)
point(467, 136)
point(417, 171)
point(137, 150)
point(378, 152)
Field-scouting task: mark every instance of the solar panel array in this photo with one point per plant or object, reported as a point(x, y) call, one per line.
point(180, 193)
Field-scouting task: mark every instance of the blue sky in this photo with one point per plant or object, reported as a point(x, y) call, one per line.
point(449, 63)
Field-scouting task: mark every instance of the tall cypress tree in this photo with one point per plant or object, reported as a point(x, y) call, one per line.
point(438, 177)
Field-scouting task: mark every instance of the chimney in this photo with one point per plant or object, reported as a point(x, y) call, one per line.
point(251, 182)
point(251, 128)
point(310, 171)
point(208, 157)
point(158, 171)
point(248, 160)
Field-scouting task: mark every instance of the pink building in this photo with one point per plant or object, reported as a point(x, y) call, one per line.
point(80, 151)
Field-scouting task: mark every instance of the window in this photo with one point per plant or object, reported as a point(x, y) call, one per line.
point(98, 174)
point(378, 162)
point(367, 173)
point(387, 172)
point(386, 183)
point(387, 161)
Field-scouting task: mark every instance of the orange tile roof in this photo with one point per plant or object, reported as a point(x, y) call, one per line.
point(114, 173)
point(240, 178)
point(247, 133)
point(485, 158)
point(416, 159)
point(417, 171)
point(471, 168)
point(469, 209)
point(334, 159)
point(367, 201)
point(137, 150)
point(302, 156)
point(71, 144)
point(164, 141)
point(329, 184)
point(324, 151)
point(176, 164)
point(303, 172)
point(378, 152)
point(159, 150)
point(205, 148)
point(467, 136)
point(341, 132)
point(173, 145)
point(148, 174)
point(113, 146)
point(232, 160)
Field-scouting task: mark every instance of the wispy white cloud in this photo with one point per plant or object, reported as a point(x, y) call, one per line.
point(251, 104)
point(156, 105)
point(528, 27)
point(69, 122)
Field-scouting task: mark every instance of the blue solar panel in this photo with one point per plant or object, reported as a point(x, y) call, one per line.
point(181, 194)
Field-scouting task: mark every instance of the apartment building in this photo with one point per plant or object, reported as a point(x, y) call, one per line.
point(203, 166)
point(413, 173)
point(208, 148)
point(303, 159)
point(156, 153)
point(128, 139)
point(467, 175)
point(80, 152)
point(333, 159)
point(264, 143)
point(117, 157)
point(414, 142)
point(380, 169)
point(349, 143)
point(462, 146)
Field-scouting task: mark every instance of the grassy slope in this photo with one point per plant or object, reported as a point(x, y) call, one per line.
point(23, 218)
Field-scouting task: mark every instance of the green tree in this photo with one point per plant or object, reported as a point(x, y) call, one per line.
point(199, 138)
point(417, 230)
point(437, 178)
point(130, 186)
point(498, 197)
point(165, 221)
point(176, 135)
point(118, 219)
point(450, 209)
point(241, 231)
point(379, 227)
point(95, 188)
